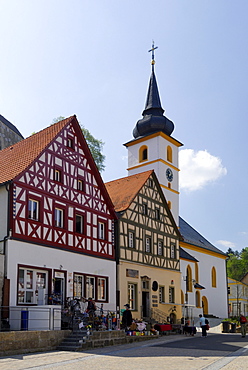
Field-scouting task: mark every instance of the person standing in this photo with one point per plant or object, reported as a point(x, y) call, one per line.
point(127, 318)
point(203, 326)
point(243, 322)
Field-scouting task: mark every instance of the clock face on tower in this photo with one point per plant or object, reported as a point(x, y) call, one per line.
point(169, 174)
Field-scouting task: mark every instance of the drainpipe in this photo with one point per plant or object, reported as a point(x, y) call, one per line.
point(4, 240)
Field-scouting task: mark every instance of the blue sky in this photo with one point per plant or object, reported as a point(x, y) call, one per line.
point(90, 58)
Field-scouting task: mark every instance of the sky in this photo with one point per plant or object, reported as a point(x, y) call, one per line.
point(90, 58)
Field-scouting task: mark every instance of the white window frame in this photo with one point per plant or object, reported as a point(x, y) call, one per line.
point(57, 175)
point(90, 283)
point(171, 294)
point(29, 282)
point(173, 250)
point(131, 239)
point(80, 185)
point(58, 217)
point(101, 230)
point(161, 294)
point(101, 289)
point(33, 209)
point(132, 296)
point(78, 286)
point(148, 244)
point(81, 223)
point(160, 248)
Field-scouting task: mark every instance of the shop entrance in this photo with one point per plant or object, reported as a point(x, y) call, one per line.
point(145, 304)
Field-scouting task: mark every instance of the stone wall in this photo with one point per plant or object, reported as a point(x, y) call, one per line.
point(17, 342)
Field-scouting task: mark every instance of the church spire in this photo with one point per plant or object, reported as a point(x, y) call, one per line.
point(153, 119)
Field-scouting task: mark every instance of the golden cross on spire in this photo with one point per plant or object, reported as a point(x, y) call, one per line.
point(152, 50)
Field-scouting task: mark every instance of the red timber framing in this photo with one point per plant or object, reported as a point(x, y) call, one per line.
point(62, 186)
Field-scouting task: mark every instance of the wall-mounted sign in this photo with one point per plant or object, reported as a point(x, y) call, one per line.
point(132, 273)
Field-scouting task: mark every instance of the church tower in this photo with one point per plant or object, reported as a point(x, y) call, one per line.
point(153, 147)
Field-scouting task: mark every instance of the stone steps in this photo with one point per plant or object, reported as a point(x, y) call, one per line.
point(80, 341)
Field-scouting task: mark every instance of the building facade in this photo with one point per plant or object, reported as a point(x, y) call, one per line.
point(57, 221)
point(147, 239)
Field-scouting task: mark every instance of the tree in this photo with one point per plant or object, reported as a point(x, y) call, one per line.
point(95, 145)
point(237, 264)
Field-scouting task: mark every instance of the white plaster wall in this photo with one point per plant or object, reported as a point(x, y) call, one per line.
point(217, 297)
point(39, 256)
point(3, 211)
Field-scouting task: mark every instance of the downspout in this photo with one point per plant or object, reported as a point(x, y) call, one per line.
point(4, 240)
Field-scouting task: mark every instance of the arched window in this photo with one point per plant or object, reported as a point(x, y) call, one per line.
point(169, 204)
point(169, 154)
point(189, 279)
point(182, 297)
point(143, 153)
point(196, 273)
point(213, 273)
point(197, 299)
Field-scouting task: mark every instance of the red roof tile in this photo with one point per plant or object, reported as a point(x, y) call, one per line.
point(123, 191)
point(17, 157)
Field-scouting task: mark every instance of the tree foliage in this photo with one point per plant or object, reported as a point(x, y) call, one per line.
point(237, 263)
point(95, 145)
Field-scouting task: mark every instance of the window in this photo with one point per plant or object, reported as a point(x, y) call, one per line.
point(150, 183)
point(143, 153)
point(144, 209)
point(101, 230)
point(148, 244)
point(157, 214)
point(101, 289)
point(131, 239)
point(78, 286)
point(90, 287)
point(169, 153)
point(189, 279)
point(58, 217)
point(171, 294)
point(173, 247)
point(161, 294)
point(169, 204)
point(214, 285)
point(57, 175)
point(79, 224)
point(160, 248)
point(31, 284)
point(132, 296)
point(70, 143)
point(33, 209)
point(80, 185)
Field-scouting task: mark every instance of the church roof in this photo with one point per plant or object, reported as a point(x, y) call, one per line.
point(123, 191)
point(10, 126)
point(191, 236)
point(185, 255)
point(16, 158)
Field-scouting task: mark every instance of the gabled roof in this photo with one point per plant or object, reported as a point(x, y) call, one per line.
point(191, 236)
point(185, 255)
point(123, 191)
point(16, 158)
point(10, 125)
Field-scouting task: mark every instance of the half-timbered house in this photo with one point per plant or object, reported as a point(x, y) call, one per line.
point(56, 221)
point(148, 270)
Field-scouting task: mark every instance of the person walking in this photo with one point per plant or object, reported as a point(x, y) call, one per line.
point(243, 322)
point(203, 326)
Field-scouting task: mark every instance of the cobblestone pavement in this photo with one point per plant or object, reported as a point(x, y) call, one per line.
point(217, 351)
